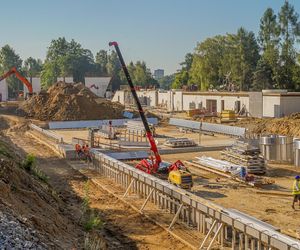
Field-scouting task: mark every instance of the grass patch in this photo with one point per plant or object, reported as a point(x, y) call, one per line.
point(29, 164)
point(91, 220)
point(4, 151)
point(93, 223)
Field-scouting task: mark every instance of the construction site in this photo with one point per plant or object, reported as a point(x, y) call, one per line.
point(80, 171)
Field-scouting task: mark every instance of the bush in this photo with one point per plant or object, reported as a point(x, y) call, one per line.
point(29, 162)
point(94, 222)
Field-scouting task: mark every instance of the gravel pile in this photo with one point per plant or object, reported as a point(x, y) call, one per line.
point(16, 235)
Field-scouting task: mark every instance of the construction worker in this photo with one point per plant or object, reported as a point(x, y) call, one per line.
point(78, 150)
point(296, 191)
point(86, 152)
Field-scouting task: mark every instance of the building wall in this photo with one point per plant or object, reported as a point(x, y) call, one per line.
point(256, 104)
point(36, 85)
point(164, 99)
point(191, 101)
point(119, 96)
point(148, 98)
point(3, 90)
point(177, 101)
point(101, 82)
point(271, 103)
point(289, 105)
point(67, 79)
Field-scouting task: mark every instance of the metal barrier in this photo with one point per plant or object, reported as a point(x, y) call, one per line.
point(50, 135)
point(93, 123)
point(211, 127)
point(223, 225)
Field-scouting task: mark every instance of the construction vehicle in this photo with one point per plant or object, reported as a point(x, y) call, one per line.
point(20, 77)
point(175, 173)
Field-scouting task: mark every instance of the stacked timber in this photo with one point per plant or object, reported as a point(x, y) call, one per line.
point(244, 154)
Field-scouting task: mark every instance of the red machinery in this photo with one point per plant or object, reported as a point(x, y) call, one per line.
point(20, 77)
point(93, 86)
point(152, 165)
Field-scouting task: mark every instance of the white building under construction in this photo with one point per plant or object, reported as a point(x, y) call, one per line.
point(268, 103)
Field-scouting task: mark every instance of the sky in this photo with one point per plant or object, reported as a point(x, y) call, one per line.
point(160, 32)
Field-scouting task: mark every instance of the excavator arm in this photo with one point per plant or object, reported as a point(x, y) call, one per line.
point(20, 77)
point(149, 135)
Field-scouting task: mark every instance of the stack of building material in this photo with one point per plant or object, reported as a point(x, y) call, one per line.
point(244, 154)
point(180, 143)
point(220, 165)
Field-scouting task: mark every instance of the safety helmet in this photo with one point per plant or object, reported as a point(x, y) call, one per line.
point(297, 177)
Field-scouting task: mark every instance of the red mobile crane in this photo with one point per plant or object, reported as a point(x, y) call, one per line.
point(20, 77)
point(155, 165)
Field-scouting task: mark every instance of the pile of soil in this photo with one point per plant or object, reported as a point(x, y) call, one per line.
point(69, 102)
point(32, 214)
point(289, 125)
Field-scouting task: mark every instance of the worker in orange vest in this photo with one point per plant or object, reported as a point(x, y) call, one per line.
point(78, 150)
point(86, 152)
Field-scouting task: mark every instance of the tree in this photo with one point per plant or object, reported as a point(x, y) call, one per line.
point(66, 58)
point(101, 62)
point(188, 61)
point(206, 66)
point(166, 81)
point(269, 40)
point(181, 79)
point(49, 74)
point(290, 32)
point(32, 67)
point(9, 59)
point(262, 77)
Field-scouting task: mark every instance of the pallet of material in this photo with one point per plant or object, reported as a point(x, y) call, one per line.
point(243, 154)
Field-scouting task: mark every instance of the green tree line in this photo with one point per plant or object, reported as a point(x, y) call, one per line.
point(268, 61)
point(68, 58)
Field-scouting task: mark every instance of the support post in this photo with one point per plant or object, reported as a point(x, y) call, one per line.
point(215, 236)
point(209, 232)
point(175, 217)
point(128, 188)
point(147, 199)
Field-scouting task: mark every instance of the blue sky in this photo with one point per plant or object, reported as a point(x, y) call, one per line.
point(159, 32)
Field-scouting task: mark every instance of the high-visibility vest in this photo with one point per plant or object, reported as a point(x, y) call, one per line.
point(295, 185)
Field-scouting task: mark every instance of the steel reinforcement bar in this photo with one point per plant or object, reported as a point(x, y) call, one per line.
point(215, 222)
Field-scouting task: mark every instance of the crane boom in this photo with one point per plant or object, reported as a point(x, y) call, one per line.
point(19, 76)
point(149, 135)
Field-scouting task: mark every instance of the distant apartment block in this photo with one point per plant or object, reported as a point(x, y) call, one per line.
point(158, 74)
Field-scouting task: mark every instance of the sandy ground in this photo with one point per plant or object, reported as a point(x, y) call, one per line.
point(124, 228)
point(164, 131)
point(260, 203)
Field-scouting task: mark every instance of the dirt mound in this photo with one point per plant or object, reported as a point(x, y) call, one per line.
point(67, 102)
point(31, 205)
point(289, 125)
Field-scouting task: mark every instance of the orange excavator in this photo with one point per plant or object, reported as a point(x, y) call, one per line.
point(93, 86)
point(20, 77)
